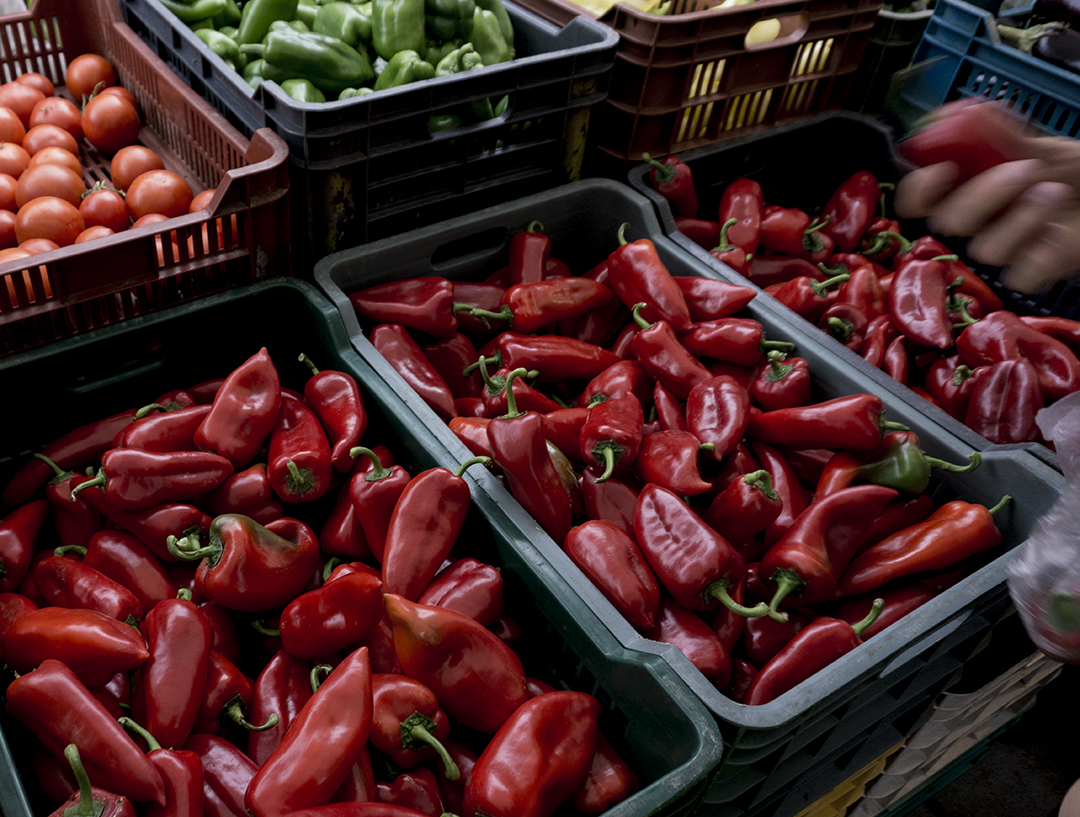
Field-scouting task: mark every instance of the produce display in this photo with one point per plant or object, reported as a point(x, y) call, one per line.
point(380, 669)
point(684, 461)
point(907, 304)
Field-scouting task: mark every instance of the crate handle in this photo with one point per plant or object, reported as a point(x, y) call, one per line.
point(772, 32)
point(466, 253)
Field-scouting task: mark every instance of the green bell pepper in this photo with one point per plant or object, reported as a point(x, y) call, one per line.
point(196, 11)
point(443, 121)
point(331, 65)
point(435, 50)
point(223, 45)
point(198, 25)
point(404, 67)
point(257, 15)
point(352, 93)
point(497, 8)
point(228, 16)
point(461, 59)
point(344, 21)
point(303, 90)
point(306, 13)
point(253, 72)
point(488, 40)
point(229, 31)
point(446, 28)
point(397, 25)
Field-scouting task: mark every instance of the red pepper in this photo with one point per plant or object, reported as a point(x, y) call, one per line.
point(519, 448)
point(718, 413)
point(701, 231)
point(298, 464)
point(670, 459)
point(246, 492)
point(537, 759)
point(477, 678)
point(881, 241)
point(670, 410)
point(899, 601)
point(341, 612)
point(425, 303)
point(727, 253)
point(854, 422)
point(470, 587)
point(472, 431)
point(917, 302)
point(374, 494)
point(453, 791)
point(879, 334)
point(416, 789)
point(745, 508)
point(770, 270)
point(611, 436)
point(244, 411)
point(556, 358)
point(280, 691)
point(1003, 336)
point(226, 698)
point(863, 290)
point(784, 229)
point(393, 342)
point(451, 356)
point(320, 747)
point(664, 358)
point(1064, 329)
point(613, 500)
point(845, 323)
point(764, 637)
point(782, 383)
point(226, 774)
point(694, 638)
point(637, 274)
point(58, 709)
point(850, 209)
point(135, 479)
point(483, 295)
point(818, 245)
point(495, 390)
point(735, 340)
point(529, 307)
point(75, 520)
point(529, 250)
point(90, 801)
point(618, 380)
point(67, 582)
point(124, 558)
point(710, 299)
point(814, 648)
point(250, 567)
point(166, 431)
point(610, 780)
point(898, 514)
point(18, 538)
point(742, 200)
point(408, 726)
point(335, 398)
point(895, 363)
point(359, 786)
point(806, 296)
point(1004, 402)
point(786, 483)
point(955, 531)
point(742, 676)
point(612, 561)
point(673, 179)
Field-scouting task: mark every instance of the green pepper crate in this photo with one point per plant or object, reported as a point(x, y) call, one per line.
point(368, 167)
point(840, 143)
point(782, 756)
point(695, 75)
point(649, 714)
point(241, 239)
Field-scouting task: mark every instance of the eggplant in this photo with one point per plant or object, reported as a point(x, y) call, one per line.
point(1062, 49)
point(1061, 11)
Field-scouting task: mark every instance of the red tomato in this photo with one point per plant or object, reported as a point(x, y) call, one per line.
point(90, 233)
point(159, 191)
point(149, 218)
point(202, 200)
point(39, 81)
point(47, 135)
point(36, 245)
point(7, 229)
point(49, 180)
point(49, 217)
point(13, 159)
point(131, 162)
point(11, 127)
point(120, 90)
point(105, 208)
point(86, 72)
point(55, 110)
point(57, 156)
point(7, 192)
point(21, 98)
point(110, 122)
point(10, 254)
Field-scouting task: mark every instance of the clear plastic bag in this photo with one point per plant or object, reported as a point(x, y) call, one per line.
point(1044, 574)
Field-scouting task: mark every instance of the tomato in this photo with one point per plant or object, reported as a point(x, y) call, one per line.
point(11, 127)
point(90, 233)
point(120, 90)
point(7, 192)
point(106, 208)
point(13, 159)
point(202, 200)
point(85, 73)
point(7, 229)
point(43, 136)
point(39, 81)
point(55, 110)
point(49, 217)
point(159, 191)
point(131, 162)
point(57, 156)
point(21, 98)
point(110, 122)
point(37, 245)
point(149, 218)
point(49, 180)
point(10, 254)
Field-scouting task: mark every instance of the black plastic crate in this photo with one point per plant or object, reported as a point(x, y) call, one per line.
point(368, 167)
point(649, 714)
point(780, 757)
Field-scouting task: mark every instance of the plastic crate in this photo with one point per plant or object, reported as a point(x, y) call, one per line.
point(651, 717)
point(122, 275)
point(690, 78)
point(839, 143)
point(368, 167)
point(780, 757)
point(893, 42)
point(961, 55)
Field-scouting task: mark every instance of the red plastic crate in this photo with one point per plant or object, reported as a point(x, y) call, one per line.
point(243, 237)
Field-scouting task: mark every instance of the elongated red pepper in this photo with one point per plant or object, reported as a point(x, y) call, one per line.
point(806, 296)
point(737, 340)
point(75, 520)
point(470, 587)
point(556, 358)
point(899, 601)
point(135, 479)
point(247, 492)
point(18, 538)
point(880, 332)
point(611, 436)
point(403, 353)
point(359, 786)
point(408, 726)
point(807, 562)
point(226, 774)
point(125, 559)
point(529, 307)
point(742, 200)
point(896, 363)
point(701, 231)
point(637, 274)
point(335, 398)
point(854, 422)
point(818, 245)
point(863, 290)
point(474, 294)
point(244, 411)
point(670, 459)
point(450, 356)
point(526, 396)
point(673, 179)
point(663, 356)
point(281, 690)
point(529, 251)
point(784, 229)
point(425, 303)
point(783, 382)
point(320, 747)
point(1004, 402)
point(879, 243)
point(68, 582)
point(613, 499)
point(764, 637)
point(611, 559)
point(165, 431)
point(718, 413)
point(670, 410)
point(477, 678)
point(515, 775)
point(814, 648)
point(851, 209)
point(374, 494)
point(1066, 330)
point(416, 789)
point(250, 567)
point(299, 462)
point(618, 380)
point(88, 800)
point(745, 508)
point(735, 257)
point(519, 448)
point(710, 299)
point(955, 531)
point(58, 709)
point(917, 302)
point(694, 638)
point(320, 622)
point(226, 698)
point(846, 323)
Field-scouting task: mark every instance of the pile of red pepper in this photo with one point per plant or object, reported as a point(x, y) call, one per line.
point(682, 459)
point(382, 681)
point(912, 308)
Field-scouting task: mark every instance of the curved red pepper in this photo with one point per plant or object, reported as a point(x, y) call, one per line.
point(529, 250)
point(281, 690)
point(320, 747)
point(482, 295)
point(805, 296)
point(244, 411)
point(670, 410)
point(125, 559)
point(745, 508)
point(246, 492)
point(396, 345)
point(764, 637)
point(359, 786)
point(181, 772)
point(863, 290)
point(663, 356)
point(494, 396)
point(374, 494)
point(470, 587)
point(529, 307)
point(477, 678)
point(425, 303)
point(342, 534)
point(851, 208)
point(899, 601)
point(135, 479)
point(1064, 329)
point(784, 229)
point(1004, 402)
point(610, 780)
point(880, 332)
point(917, 302)
point(896, 363)
point(742, 201)
point(226, 774)
point(881, 242)
point(710, 299)
point(694, 638)
point(673, 179)
point(298, 464)
point(846, 323)
point(736, 258)
point(770, 270)
point(618, 380)
point(701, 231)
point(735, 340)
point(335, 398)
point(718, 413)
point(165, 431)
point(556, 358)
point(18, 537)
point(86, 799)
point(451, 356)
point(67, 582)
point(408, 726)
point(637, 274)
point(320, 622)
point(416, 789)
point(742, 676)
point(75, 520)
point(854, 422)
point(670, 459)
point(226, 698)
point(612, 433)
point(613, 499)
point(516, 776)
point(782, 383)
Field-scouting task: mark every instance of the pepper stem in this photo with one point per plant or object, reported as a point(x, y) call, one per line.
point(148, 408)
point(314, 677)
point(962, 373)
point(778, 370)
point(768, 346)
point(416, 734)
point(905, 244)
point(1004, 501)
point(974, 456)
point(140, 732)
point(840, 329)
point(99, 479)
point(86, 806)
point(377, 470)
point(233, 713)
point(307, 361)
point(260, 627)
point(724, 245)
point(787, 582)
point(511, 398)
point(820, 286)
point(664, 173)
point(256, 49)
point(719, 590)
point(187, 548)
point(965, 317)
point(763, 480)
point(871, 617)
point(606, 454)
point(60, 473)
point(622, 233)
point(636, 313)
point(299, 480)
point(494, 360)
point(1025, 38)
point(534, 226)
point(504, 314)
point(461, 469)
point(64, 550)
